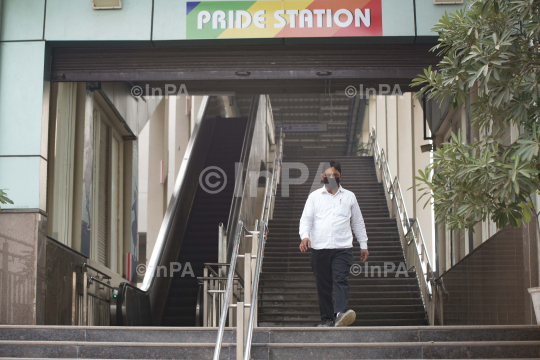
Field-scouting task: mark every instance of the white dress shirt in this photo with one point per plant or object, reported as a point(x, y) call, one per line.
point(327, 220)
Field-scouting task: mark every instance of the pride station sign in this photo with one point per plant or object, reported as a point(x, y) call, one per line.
point(282, 19)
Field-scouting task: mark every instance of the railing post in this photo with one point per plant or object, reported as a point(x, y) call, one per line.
point(222, 248)
point(234, 290)
point(254, 247)
point(205, 298)
point(74, 300)
point(214, 311)
point(85, 298)
point(247, 286)
point(239, 330)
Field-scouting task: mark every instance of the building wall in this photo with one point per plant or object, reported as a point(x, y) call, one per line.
point(22, 236)
point(405, 152)
point(164, 20)
point(398, 121)
point(27, 29)
point(24, 106)
point(156, 154)
point(455, 245)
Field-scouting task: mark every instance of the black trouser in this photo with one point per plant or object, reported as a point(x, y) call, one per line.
point(332, 265)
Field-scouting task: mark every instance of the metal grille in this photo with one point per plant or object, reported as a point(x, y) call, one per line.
point(262, 62)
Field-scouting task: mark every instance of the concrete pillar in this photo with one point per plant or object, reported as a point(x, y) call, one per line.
point(421, 160)
point(24, 118)
point(372, 112)
point(195, 106)
point(381, 121)
point(405, 153)
point(156, 190)
point(182, 130)
point(170, 118)
point(392, 137)
point(179, 133)
point(144, 149)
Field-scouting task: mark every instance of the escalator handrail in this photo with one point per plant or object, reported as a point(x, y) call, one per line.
point(157, 252)
point(240, 176)
point(165, 228)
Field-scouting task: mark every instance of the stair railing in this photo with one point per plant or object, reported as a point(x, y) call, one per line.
point(263, 234)
point(412, 240)
point(246, 322)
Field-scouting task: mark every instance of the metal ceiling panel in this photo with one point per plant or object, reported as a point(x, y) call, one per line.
point(371, 63)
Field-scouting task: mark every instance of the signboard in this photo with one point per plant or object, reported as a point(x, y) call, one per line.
point(283, 19)
point(302, 127)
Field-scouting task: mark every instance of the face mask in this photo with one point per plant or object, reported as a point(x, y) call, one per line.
point(331, 183)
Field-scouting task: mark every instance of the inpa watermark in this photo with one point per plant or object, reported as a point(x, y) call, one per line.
point(384, 89)
point(389, 268)
point(168, 271)
point(166, 91)
point(213, 179)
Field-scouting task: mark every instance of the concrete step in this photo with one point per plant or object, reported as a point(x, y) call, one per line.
point(355, 293)
point(421, 350)
point(374, 341)
point(276, 300)
point(284, 286)
point(361, 310)
point(373, 266)
point(306, 276)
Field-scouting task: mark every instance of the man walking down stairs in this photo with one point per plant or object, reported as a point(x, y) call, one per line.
point(379, 297)
point(325, 228)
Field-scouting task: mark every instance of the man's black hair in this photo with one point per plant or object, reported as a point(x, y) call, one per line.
point(336, 165)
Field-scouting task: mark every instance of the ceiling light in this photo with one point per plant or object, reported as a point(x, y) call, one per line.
point(106, 4)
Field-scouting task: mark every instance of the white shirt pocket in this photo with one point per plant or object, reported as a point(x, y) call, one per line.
point(343, 210)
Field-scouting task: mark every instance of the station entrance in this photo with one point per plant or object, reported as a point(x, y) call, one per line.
point(310, 101)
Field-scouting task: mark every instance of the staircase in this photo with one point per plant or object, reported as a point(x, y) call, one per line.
point(423, 342)
point(287, 291)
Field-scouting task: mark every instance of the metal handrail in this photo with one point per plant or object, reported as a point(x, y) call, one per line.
point(394, 192)
point(263, 231)
point(91, 278)
point(253, 303)
point(85, 265)
point(230, 279)
point(269, 195)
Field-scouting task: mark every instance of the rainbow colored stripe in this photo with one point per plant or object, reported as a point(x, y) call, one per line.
point(217, 19)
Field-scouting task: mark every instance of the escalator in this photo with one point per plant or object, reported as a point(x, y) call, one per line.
point(188, 237)
point(200, 243)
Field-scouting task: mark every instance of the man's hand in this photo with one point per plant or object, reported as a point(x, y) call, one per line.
point(305, 244)
point(364, 254)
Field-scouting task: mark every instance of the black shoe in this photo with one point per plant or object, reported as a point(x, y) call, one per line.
point(345, 318)
point(326, 323)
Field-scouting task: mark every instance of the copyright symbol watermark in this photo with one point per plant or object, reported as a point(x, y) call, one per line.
point(136, 91)
point(356, 269)
point(350, 91)
point(207, 182)
point(141, 269)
